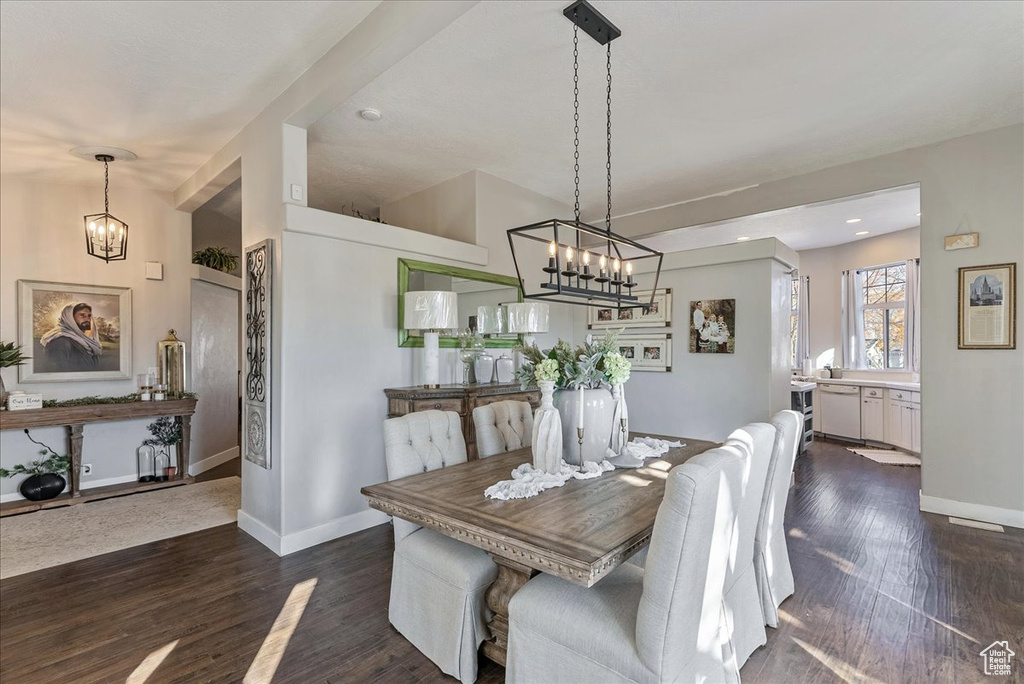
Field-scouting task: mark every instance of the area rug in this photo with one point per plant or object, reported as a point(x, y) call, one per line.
point(888, 456)
point(50, 537)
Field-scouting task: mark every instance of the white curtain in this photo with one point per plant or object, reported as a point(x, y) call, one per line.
point(912, 331)
point(851, 321)
point(803, 320)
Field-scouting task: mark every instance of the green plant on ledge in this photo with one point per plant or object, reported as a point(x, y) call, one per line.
point(53, 463)
point(216, 258)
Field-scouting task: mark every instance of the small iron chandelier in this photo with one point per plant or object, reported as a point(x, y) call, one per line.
point(106, 236)
point(572, 278)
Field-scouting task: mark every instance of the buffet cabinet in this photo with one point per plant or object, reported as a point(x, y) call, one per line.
point(461, 399)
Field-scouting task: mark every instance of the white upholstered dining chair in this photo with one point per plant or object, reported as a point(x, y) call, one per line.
point(742, 600)
point(502, 426)
point(771, 556)
point(437, 583)
point(665, 623)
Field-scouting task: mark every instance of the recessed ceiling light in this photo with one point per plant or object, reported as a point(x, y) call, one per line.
point(370, 114)
point(853, 220)
point(862, 232)
point(742, 239)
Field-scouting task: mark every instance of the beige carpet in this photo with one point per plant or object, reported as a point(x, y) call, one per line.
point(888, 456)
point(42, 539)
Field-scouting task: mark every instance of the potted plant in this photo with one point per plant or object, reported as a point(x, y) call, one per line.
point(584, 374)
point(45, 476)
point(166, 433)
point(10, 356)
point(217, 258)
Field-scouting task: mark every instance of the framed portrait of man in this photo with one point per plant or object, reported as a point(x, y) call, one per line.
point(74, 332)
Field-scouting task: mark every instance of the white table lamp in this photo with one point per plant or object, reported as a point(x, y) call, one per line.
point(528, 318)
point(490, 320)
point(431, 311)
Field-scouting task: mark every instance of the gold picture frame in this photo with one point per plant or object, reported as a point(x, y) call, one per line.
point(987, 307)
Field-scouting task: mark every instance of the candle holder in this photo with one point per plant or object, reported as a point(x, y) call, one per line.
point(551, 269)
point(622, 429)
point(579, 439)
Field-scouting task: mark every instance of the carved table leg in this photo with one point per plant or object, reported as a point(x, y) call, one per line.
point(75, 475)
point(186, 437)
point(511, 577)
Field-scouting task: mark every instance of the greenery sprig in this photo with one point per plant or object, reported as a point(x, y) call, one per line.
point(90, 401)
point(10, 355)
point(590, 365)
point(53, 463)
point(166, 431)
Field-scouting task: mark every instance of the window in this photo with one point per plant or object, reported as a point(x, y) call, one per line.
point(884, 308)
point(794, 321)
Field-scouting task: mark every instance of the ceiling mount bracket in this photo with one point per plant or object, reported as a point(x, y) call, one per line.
point(593, 23)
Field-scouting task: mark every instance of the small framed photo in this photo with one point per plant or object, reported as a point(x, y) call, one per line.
point(648, 352)
point(655, 315)
point(74, 332)
point(987, 307)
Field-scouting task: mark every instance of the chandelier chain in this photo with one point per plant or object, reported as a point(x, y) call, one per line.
point(576, 106)
point(106, 187)
point(608, 163)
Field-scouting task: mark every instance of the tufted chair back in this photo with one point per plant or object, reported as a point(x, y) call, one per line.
point(503, 426)
point(418, 442)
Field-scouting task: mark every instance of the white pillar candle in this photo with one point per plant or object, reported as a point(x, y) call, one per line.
point(579, 414)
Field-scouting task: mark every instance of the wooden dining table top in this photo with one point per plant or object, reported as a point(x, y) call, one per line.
point(579, 532)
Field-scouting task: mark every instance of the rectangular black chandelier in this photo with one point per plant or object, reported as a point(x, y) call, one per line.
point(586, 265)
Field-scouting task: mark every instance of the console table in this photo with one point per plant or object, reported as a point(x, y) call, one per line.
point(75, 418)
point(459, 398)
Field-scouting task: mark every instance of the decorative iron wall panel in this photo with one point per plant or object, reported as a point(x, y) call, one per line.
point(259, 263)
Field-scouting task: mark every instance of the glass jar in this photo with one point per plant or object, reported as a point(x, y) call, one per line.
point(160, 464)
point(160, 392)
point(145, 457)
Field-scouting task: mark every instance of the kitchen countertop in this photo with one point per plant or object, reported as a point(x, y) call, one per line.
point(886, 384)
point(802, 386)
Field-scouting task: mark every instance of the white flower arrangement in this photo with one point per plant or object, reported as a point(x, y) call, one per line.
point(616, 368)
point(547, 370)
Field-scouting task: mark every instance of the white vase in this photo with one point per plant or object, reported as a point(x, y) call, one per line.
point(620, 419)
point(547, 432)
point(597, 423)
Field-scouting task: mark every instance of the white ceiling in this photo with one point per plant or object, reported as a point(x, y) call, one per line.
point(812, 226)
point(171, 81)
point(708, 96)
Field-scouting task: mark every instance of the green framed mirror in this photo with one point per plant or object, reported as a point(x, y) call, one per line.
point(474, 289)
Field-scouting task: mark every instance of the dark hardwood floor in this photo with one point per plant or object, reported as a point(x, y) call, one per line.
point(885, 593)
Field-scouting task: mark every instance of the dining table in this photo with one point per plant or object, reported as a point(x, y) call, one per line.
point(579, 532)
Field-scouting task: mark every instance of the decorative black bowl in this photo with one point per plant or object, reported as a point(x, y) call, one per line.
point(42, 487)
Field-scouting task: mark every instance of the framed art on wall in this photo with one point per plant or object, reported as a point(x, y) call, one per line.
point(648, 352)
point(713, 326)
point(658, 315)
point(987, 301)
point(75, 332)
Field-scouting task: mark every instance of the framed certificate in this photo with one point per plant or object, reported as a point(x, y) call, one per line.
point(987, 307)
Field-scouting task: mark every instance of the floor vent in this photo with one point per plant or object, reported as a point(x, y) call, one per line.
point(974, 523)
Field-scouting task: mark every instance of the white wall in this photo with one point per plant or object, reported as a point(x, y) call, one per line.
point(707, 396)
point(41, 239)
point(214, 367)
point(825, 266)
point(447, 209)
point(972, 400)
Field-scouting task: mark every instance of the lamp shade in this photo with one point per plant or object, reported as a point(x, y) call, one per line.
point(490, 320)
point(528, 317)
point(431, 310)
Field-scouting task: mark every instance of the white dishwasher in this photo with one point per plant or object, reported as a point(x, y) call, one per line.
point(840, 410)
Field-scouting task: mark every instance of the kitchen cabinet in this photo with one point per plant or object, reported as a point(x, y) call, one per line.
point(903, 420)
point(872, 419)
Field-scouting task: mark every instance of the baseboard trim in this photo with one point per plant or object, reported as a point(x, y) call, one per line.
point(260, 532)
point(211, 462)
point(350, 524)
point(303, 539)
point(971, 511)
